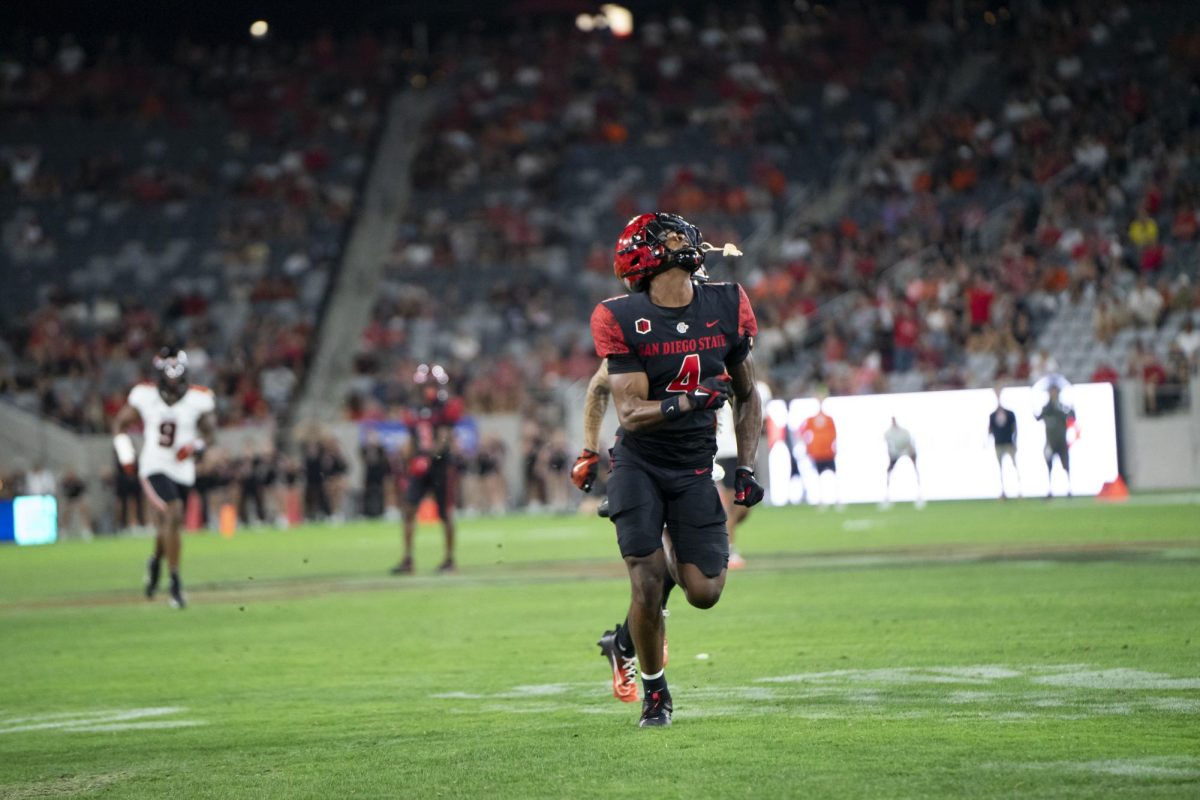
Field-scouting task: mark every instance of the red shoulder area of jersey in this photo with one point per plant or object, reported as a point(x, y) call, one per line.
point(606, 332)
point(747, 324)
point(453, 411)
point(195, 387)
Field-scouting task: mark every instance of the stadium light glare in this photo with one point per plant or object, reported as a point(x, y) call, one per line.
point(585, 23)
point(619, 19)
point(259, 28)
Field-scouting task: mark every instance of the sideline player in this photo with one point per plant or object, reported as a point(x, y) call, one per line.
point(676, 351)
point(429, 461)
point(1002, 426)
point(177, 425)
point(1056, 417)
point(819, 434)
point(900, 445)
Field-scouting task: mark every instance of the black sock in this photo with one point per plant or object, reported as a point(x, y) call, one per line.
point(624, 640)
point(155, 567)
point(176, 587)
point(655, 684)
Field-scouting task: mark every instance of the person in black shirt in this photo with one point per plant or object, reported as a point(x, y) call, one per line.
point(316, 494)
point(1057, 418)
point(249, 471)
point(376, 470)
point(1002, 426)
point(75, 509)
point(677, 351)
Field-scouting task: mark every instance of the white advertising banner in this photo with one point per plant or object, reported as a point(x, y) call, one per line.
point(955, 454)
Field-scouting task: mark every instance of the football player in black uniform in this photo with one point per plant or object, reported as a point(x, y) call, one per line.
point(677, 351)
point(430, 466)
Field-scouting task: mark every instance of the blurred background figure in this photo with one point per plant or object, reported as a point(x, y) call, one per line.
point(431, 461)
point(40, 480)
point(1002, 427)
point(1057, 417)
point(317, 505)
point(377, 473)
point(900, 445)
point(254, 473)
point(74, 513)
point(493, 490)
point(819, 434)
point(131, 514)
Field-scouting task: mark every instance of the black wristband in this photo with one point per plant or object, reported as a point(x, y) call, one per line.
point(670, 407)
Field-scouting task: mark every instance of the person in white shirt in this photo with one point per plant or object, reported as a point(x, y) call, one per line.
point(177, 425)
point(40, 480)
point(1188, 340)
point(900, 445)
point(1145, 303)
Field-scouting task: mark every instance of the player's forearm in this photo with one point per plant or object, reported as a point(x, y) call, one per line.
point(747, 425)
point(642, 415)
point(594, 407)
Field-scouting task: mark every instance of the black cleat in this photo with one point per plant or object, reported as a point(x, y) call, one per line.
point(150, 583)
point(405, 567)
point(656, 710)
point(177, 599)
point(447, 567)
point(602, 509)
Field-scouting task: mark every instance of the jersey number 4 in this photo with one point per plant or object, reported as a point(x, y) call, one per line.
point(689, 375)
point(166, 434)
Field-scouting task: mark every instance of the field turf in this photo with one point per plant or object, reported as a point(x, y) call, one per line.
point(967, 650)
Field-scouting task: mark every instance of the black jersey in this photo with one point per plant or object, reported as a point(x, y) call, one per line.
point(676, 348)
point(1003, 427)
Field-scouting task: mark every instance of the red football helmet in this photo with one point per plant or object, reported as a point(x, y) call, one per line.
point(642, 249)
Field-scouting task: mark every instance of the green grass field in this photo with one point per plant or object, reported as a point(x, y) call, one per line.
point(976, 649)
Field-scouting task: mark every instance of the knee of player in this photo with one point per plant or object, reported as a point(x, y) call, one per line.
point(703, 596)
point(646, 586)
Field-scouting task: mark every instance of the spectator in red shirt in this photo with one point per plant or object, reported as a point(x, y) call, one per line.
point(905, 333)
point(979, 302)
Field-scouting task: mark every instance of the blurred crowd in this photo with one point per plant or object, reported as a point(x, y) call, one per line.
point(206, 206)
point(1066, 176)
point(1075, 186)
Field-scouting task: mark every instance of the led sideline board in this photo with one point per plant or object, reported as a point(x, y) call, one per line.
point(29, 519)
point(954, 451)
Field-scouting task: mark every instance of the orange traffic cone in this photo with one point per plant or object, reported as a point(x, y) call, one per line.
point(228, 520)
point(1114, 491)
point(293, 510)
point(192, 518)
point(427, 511)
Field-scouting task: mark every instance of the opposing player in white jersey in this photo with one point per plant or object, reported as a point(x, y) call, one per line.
point(900, 445)
point(177, 424)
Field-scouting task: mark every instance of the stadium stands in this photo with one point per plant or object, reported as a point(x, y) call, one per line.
point(204, 203)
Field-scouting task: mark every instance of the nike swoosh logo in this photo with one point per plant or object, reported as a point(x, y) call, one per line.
point(702, 471)
point(710, 324)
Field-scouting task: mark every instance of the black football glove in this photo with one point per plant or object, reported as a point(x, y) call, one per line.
point(746, 491)
point(711, 394)
point(583, 474)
